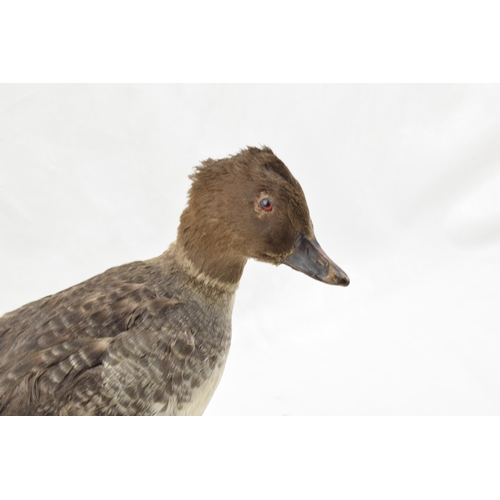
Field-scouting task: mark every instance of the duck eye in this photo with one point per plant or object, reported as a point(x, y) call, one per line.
point(266, 204)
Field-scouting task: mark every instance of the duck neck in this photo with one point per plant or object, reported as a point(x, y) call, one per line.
point(215, 269)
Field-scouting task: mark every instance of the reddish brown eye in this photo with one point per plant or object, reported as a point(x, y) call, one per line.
point(266, 204)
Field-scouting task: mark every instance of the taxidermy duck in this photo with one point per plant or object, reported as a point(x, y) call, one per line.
point(152, 337)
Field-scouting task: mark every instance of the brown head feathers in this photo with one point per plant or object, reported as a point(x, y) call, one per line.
point(224, 224)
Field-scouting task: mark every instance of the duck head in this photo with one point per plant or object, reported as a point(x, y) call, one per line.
point(249, 206)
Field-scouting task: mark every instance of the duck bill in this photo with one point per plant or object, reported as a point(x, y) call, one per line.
point(309, 258)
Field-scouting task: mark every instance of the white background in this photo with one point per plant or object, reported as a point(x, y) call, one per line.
point(403, 185)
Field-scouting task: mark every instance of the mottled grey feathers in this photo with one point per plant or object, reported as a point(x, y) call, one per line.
point(98, 348)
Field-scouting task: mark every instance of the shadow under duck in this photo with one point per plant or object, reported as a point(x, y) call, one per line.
point(152, 337)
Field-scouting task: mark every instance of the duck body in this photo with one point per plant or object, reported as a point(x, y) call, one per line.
point(152, 337)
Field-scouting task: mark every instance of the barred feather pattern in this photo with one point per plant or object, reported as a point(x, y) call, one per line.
point(139, 339)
